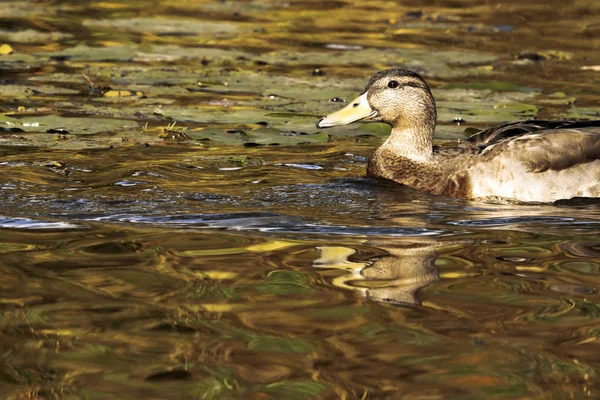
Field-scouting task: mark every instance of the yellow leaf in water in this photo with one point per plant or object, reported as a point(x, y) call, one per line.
point(58, 332)
point(407, 31)
point(109, 5)
point(5, 49)
point(122, 93)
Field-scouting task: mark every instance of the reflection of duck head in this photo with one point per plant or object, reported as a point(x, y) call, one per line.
point(395, 277)
point(407, 268)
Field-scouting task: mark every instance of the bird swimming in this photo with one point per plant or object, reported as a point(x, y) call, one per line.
point(528, 161)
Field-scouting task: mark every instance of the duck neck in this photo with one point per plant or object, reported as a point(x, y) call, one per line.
point(413, 143)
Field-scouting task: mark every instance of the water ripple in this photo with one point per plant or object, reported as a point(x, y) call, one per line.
point(502, 221)
point(265, 222)
point(27, 223)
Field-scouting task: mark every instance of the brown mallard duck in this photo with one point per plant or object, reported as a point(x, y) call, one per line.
point(532, 161)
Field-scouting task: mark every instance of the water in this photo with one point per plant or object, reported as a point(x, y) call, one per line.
point(299, 286)
point(142, 259)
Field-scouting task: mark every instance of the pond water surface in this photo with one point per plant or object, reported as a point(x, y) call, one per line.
point(173, 225)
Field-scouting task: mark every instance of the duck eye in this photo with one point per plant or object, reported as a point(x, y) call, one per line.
point(392, 84)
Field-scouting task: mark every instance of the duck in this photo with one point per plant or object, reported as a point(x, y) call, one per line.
point(524, 161)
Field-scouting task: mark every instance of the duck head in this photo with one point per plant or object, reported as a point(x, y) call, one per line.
point(398, 97)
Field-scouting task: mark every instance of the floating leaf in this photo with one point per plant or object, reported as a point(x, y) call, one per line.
point(22, 91)
point(33, 36)
point(167, 26)
point(5, 49)
point(490, 85)
point(87, 53)
point(476, 113)
point(584, 112)
point(122, 93)
point(74, 125)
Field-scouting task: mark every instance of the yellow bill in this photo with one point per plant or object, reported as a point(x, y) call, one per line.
point(358, 109)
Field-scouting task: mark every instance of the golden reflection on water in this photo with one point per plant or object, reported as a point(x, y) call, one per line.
point(217, 267)
point(159, 310)
point(308, 285)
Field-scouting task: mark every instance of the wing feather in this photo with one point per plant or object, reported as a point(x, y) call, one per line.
point(541, 145)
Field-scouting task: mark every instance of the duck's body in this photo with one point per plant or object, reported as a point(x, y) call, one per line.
point(535, 161)
point(526, 161)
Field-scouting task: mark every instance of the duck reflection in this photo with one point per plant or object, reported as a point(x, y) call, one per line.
point(395, 278)
point(408, 262)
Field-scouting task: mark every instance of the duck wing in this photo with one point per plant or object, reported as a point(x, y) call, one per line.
point(514, 129)
point(541, 145)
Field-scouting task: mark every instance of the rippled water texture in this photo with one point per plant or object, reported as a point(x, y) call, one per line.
point(174, 226)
